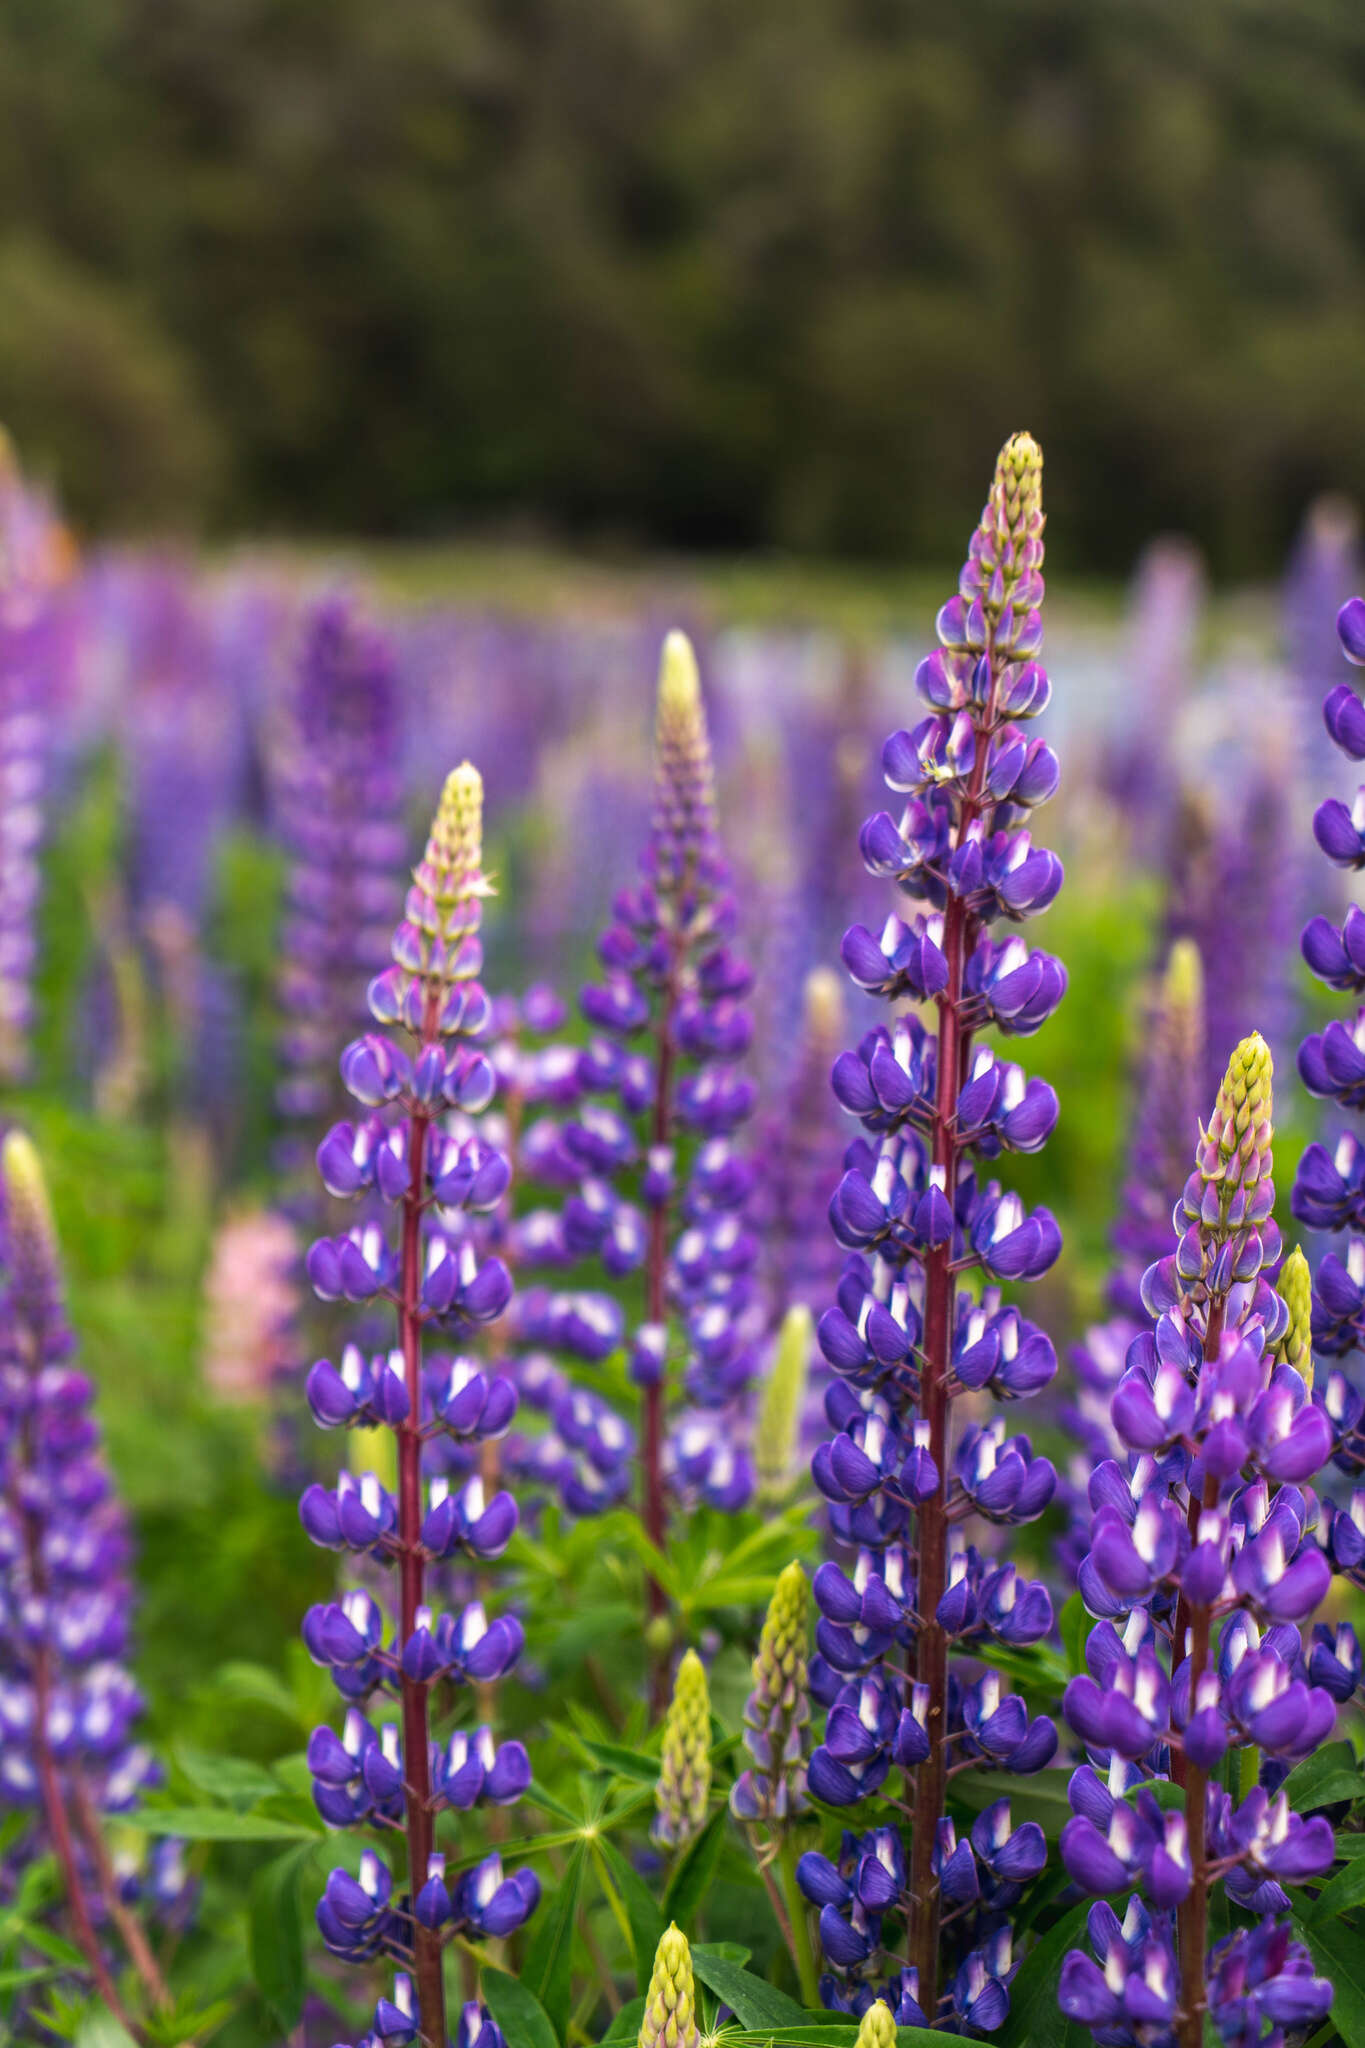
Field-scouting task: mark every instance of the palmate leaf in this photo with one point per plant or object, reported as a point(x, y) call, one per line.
point(1329, 1777)
point(754, 2003)
point(275, 1935)
point(691, 1881)
point(1074, 1625)
point(548, 1971)
point(645, 1920)
point(1042, 1796)
point(1338, 1952)
point(1034, 2015)
point(518, 2012)
point(217, 1824)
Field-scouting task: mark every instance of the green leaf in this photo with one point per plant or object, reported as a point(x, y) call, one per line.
point(99, 2029)
point(547, 1972)
point(1325, 1778)
point(633, 1764)
point(691, 1881)
point(517, 2010)
point(1345, 1890)
point(1339, 1954)
point(1034, 2015)
point(1075, 1625)
point(646, 1921)
point(626, 2026)
point(1041, 1797)
point(754, 2003)
point(228, 1778)
point(275, 1935)
point(253, 1684)
point(216, 1824)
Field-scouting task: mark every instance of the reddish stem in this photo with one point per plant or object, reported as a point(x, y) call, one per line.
point(129, 1926)
point(49, 1783)
point(1192, 1915)
point(427, 1968)
point(931, 1662)
point(653, 1503)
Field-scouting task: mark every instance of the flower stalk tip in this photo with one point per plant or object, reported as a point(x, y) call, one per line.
point(670, 2015)
point(685, 1764)
point(878, 2027)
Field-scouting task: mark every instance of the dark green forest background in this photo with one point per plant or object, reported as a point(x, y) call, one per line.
point(698, 273)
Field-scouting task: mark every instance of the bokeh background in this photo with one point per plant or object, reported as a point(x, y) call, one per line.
point(523, 330)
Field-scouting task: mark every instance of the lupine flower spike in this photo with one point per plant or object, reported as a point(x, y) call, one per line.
point(1204, 1520)
point(914, 1210)
point(685, 1763)
point(771, 1792)
point(670, 2015)
point(669, 1024)
point(424, 1064)
point(71, 1755)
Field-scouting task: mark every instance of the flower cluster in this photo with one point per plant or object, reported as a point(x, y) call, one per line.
point(339, 816)
point(69, 1707)
point(1165, 1110)
point(663, 1190)
point(1202, 1565)
point(583, 1452)
point(417, 1081)
point(914, 1211)
point(34, 558)
point(1329, 1193)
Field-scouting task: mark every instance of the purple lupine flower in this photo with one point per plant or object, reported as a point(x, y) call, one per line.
point(584, 1453)
point(1201, 1520)
point(666, 1093)
point(35, 558)
point(337, 804)
point(72, 1756)
point(1329, 1192)
point(430, 1084)
point(913, 1211)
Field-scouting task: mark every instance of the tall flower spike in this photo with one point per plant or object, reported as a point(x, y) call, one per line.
point(339, 802)
point(1167, 1100)
point(1207, 1518)
point(670, 2015)
point(665, 1192)
point(399, 1152)
point(914, 1211)
point(71, 1755)
point(685, 1762)
point(778, 1710)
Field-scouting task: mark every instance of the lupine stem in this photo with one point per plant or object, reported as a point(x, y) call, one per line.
point(427, 1966)
point(803, 1952)
point(129, 1926)
point(653, 1506)
point(931, 1660)
point(1192, 1914)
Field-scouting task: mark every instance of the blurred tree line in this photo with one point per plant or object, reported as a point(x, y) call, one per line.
point(720, 272)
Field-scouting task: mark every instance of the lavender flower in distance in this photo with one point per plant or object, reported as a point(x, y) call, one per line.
point(71, 1752)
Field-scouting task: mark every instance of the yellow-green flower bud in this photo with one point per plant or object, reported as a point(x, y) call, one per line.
point(779, 1416)
point(685, 1764)
point(778, 1709)
point(1295, 1288)
point(670, 2015)
point(878, 2028)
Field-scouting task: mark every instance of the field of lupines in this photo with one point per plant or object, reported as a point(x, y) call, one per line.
point(522, 1236)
